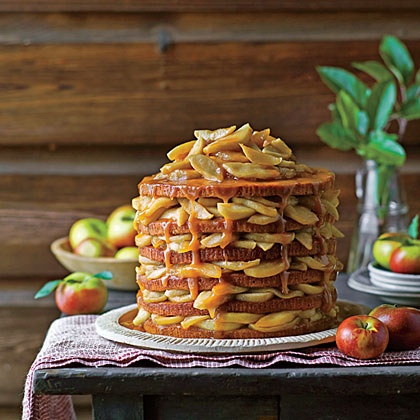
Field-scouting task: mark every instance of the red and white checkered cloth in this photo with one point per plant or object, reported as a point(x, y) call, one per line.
point(74, 340)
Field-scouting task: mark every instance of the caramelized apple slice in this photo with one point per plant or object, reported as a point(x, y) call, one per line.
point(251, 170)
point(257, 206)
point(256, 156)
point(301, 215)
point(196, 208)
point(214, 135)
point(207, 167)
point(166, 320)
point(230, 142)
point(266, 269)
point(181, 151)
point(141, 317)
point(234, 211)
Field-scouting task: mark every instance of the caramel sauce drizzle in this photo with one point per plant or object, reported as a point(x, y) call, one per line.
point(167, 252)
point(284, 275)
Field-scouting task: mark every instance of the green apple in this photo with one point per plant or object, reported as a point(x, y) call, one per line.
point(386, 244)
point(94, 248)
point(128, 253)
point(121, 232)
point(87, 228)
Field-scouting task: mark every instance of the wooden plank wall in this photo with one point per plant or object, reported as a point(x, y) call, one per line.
point(92, 94)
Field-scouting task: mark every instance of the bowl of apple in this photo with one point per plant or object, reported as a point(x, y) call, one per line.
point(94, 245)
point(397, 262)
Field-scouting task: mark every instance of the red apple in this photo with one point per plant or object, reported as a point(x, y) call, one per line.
point(87, 228)
point(406, 258)
point(78, 293)
point(362, 337)
point(386, 244)
point(81, 293)
point(121, 232)
point(95, 248)
point(403, 324)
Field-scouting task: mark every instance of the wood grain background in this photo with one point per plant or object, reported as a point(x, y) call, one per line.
point(93, 93)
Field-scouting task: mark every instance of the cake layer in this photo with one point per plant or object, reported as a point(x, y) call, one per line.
point(176, 330)
point(194, 188)
point(273, 305)
point(160, 227)
point(240, 254)
point(237, 279)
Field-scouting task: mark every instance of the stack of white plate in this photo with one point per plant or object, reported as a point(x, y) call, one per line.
point(394, 281)
point(401, 289)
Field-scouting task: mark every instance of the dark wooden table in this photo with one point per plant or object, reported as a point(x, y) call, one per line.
point(283, 392)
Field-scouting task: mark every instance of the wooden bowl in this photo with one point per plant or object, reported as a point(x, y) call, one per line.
point(123, 271)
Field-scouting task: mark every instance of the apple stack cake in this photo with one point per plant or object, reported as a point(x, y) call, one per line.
point(236, 240)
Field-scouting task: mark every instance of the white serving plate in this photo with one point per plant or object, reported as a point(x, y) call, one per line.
point(107, 326)
point(360, 281)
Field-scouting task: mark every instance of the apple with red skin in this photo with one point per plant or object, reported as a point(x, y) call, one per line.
point(386, 244)
point(95, 248)
point(81, 293)
point(406, 258)
point(362, 337)
point(403, 324)
point(121, 232)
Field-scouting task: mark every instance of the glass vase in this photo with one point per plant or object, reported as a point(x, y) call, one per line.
point(374, 217)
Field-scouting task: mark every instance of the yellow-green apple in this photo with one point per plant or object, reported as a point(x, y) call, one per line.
point(384, 246)
point(406, 258)
point(95, 248)
point(78, 293)
point(403, 324)
point(87, 228)
point(121, 231)
point(128, 253)
point(362, 337)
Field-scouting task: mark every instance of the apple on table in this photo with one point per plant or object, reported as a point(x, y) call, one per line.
point(362, 337)
point(403, 325)
point(78, 293)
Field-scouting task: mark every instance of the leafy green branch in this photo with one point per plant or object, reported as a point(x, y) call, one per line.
point(362, 116)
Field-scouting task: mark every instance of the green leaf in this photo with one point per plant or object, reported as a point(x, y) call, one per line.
point(410, 110)
point(339, 79)
point(334, 113)
point(336, 136)
point(375, 69)
point(383, 149)
point(380, 104)
point(47, 288)
point(105, 275)
point(413, 91)
point(396, 56)
point(418, 76)
point(350, 114)
point(413, 229)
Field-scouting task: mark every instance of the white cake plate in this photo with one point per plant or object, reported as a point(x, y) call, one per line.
point(108, 326)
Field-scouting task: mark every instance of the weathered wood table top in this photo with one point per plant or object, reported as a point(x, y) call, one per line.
point(283, 392)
